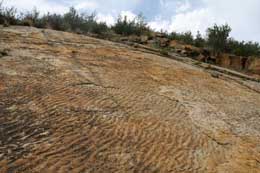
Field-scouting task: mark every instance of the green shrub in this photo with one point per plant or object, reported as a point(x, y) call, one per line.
point(99, 28)
point(185, 37)
point(54, 21)
point(243, 48)
point(127, 27)
point(30, 18)
point(199, 41)
point(217, 37)
point(8, 15)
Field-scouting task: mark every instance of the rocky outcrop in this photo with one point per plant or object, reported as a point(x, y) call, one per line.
point(231, 61)
point(144, 39)
point(250, 64)
point(239, 63)
point(159, 39)
point(186, 50)
point(71, 103)
point(253, 65)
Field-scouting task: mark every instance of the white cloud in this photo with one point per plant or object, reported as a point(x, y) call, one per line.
point(108, 19)
point(160, 24)
point(242, 16)
point(43, 6)
point(130, 15)
point(183, 6)
point(86, 5)
point(197, 20)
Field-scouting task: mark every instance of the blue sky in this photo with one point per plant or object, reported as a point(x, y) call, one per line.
point(170, 15)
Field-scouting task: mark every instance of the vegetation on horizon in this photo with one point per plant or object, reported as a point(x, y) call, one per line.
point(217, 38)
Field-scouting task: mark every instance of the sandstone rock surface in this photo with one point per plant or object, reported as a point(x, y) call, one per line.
point(254, 65)
point(70, 103)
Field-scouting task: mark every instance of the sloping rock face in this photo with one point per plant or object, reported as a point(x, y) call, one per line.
point(70, 103)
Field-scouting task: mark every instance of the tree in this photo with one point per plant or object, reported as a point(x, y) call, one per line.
point(72, 19)
point(8, 15)
point(141, 26)
point(199, 41)
point(127, 27)
point(54, 21)
point(187, 37)
point(243, 48)
point(217, 37)
point(31, 18)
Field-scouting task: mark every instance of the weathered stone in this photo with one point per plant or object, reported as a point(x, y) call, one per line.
point(223, 60)
point(215, 74)
point(237, 62)
point(164, 42)
point(254, 65)
point(144, 39)
point(90, 105)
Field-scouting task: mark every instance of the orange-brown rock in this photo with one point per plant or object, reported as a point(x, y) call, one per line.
point(144, 39)
point(176, 44)
point(187, 50)
point(253, 65)
point(223, 60)
point(232, 61)
point(70, 103)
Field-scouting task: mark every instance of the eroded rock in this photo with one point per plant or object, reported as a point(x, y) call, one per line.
point(70, 103)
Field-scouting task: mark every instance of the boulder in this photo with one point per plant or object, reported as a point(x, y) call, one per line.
point(192, 52)
point(160, 35)
point(144, 39)
point(201, 58)
point(134, 38)
point(164, 42)
point(123, 39)
point(151, 42)
point(178, 50)
point(184, 52)
point(175, 44)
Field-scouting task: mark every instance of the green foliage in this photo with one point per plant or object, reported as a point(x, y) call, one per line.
point(217, 37)
point(71, 20)
point(8, 15)
point(90, 25)
point(126, 27)
point(243, 48)
point(185, 37)
point(199, 41)
point(99, 28)
point(53, 21)
point(30, 18)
